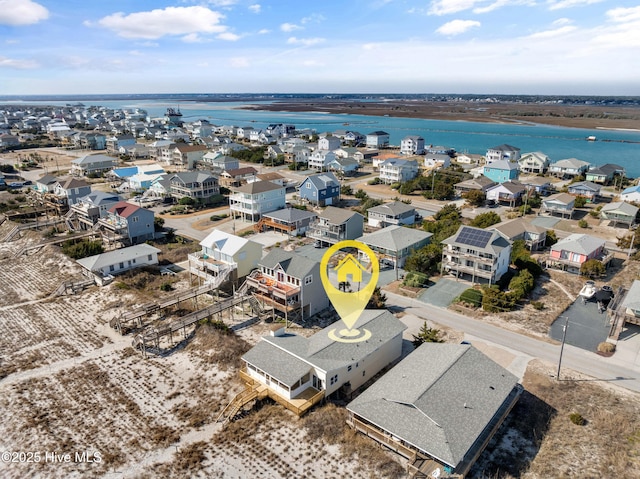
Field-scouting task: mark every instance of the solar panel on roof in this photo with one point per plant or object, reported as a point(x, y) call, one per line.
point(474, 237)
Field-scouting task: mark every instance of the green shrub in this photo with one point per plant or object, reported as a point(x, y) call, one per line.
point(521, 284)
point(82, 249)
point(577, 419)
point(580, 201)
point(374, 181)
point(537, 305)
point(395, 186)
point(471, 296)
point(415, 279)
point(606, 347)
point(583, 224)
point(166, 287)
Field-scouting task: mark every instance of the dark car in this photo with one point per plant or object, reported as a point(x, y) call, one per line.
point(492, 204)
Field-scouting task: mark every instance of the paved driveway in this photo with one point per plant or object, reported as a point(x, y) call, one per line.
point(443, 292)
point(587, 327)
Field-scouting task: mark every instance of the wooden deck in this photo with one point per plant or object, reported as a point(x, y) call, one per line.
point(299, 405)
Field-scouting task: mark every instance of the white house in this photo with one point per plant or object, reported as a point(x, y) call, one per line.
point(329, 143)
point(476, 252)
point(377, 139)
point(395, 170)
point(412, 145)
point(321, 159)
point(292, 366)
point(103, 266)
point(568, 167)
point(534, 162)
point(250, 201)
point(224, 256)
point(503, 152)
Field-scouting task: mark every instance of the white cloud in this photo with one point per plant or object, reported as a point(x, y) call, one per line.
point(313, 18)
point(228, 36)
point(255, 8)
point(456, 27)
point(170, 21)
point(264, 31)
point(562, 21)
point(560, 4)
point(307, 42)
point(193, 38)
point(239, 62)
point(12, 41)
point(557, 32)
point(221, 3)
point(17, 64)
point(290, 27)
point(624, 14)
point(445, 7)
point(21, 12)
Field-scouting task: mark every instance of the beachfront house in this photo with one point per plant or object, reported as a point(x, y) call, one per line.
point(127, 223)
point(237, 176)
point(412, 145)
point(503, 152)
point(252, 200)
point(328, 142)
point(604, 174)
point(86, 212)
point(102, 267)
point(288, 282)
point(561, 203)
point(537, 184)
point(389, 214)
point(377, 139)
point(570, 253)
point(336, 224)
point(185, 156)
point(476, 253)
point(439, 408)
point(299, 372)
point(535, 162)
point(70, 190)
point(344, 166)
point(631, 194)
point(322, 189)
point(224, 257)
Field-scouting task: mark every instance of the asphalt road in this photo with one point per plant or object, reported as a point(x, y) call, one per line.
point(597, 367)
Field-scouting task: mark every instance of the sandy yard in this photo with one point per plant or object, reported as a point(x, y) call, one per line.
point(69, 383)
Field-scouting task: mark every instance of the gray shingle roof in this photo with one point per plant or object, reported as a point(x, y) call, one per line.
point(292, 263)
point(290, 215)
point(337, 216)
point(395, 238)
point(257, 187)
point(440, 399)
point(392, 209)
point(320, 350)
point(620, 207)
point(96, 262)
point(579, 243)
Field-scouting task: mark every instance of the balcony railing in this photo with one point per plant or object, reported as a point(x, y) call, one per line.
point(459, 254)
point(270, 286)
point(474, 270)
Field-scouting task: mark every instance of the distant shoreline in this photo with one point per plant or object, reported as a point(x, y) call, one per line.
point(590, 117)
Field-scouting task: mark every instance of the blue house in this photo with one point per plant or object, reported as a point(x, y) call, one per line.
point(501, 171)
point(322, 189)
point(127, 223)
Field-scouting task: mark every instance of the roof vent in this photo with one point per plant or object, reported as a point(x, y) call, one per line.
point(277, 330)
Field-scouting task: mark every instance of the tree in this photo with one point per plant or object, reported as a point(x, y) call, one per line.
point(580, 202)
point(521, 284)
point(82, 249)
point(592, 268)
point(427, 335)
point(346, 190)
point(496, 301)
point(484, 220)
point(550, 239)
point(187, 201)
point(378, 299)
point(474, 197)
point(158, 223)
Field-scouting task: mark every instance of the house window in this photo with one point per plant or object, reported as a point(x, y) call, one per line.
point(308, 279)
point(334, 380)
point(348, 368)
point(308, 186)
point(111, 268)
point(135, 219)
point(149, 257)
point(121, 265)
point(363, 373)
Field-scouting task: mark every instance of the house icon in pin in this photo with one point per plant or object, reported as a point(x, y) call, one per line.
point(349, 266)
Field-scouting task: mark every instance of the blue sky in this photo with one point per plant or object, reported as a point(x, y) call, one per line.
point(350, 46)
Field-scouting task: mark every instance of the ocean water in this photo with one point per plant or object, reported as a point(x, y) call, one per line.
point(612, 146)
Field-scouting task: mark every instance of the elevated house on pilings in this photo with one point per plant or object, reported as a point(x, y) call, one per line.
point(127, 224)
point(288, 282)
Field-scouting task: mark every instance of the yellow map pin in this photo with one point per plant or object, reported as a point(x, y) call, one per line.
point(349, 305)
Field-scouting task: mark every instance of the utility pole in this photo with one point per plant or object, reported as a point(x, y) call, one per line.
point(564, 337)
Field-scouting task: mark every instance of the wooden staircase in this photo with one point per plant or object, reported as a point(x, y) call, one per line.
point(243, 398)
